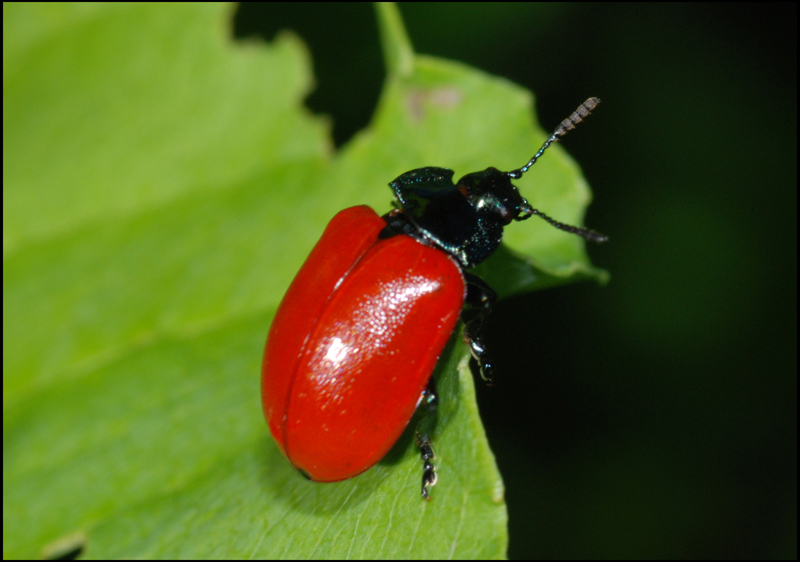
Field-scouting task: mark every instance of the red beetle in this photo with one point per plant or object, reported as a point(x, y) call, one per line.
point(355, 339)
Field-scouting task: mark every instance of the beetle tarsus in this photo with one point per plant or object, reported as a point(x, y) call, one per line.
point(429, 477)
point(430, 399)
point(482, 359)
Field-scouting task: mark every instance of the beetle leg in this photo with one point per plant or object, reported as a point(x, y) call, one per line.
point(479, 303)
point(431, 399)
point(429, 472)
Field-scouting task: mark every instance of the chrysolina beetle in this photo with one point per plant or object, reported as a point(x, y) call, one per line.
point(355, 340)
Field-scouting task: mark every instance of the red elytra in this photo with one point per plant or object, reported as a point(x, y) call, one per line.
point(353, 345)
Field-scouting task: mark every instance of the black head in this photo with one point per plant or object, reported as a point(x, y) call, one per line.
point(493, 195)
point(467, 219)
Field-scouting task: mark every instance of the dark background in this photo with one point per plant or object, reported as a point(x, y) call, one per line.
point(656, 417)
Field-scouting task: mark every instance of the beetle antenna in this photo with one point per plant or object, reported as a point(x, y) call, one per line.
point(586, 233)
point(566, 125)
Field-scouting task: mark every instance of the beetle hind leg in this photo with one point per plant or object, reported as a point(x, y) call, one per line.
point(430, 398)
point(429, 471)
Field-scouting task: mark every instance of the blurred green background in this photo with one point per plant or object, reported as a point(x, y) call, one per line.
point(671, 431)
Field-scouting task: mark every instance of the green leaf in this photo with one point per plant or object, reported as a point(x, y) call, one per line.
point(162, 185)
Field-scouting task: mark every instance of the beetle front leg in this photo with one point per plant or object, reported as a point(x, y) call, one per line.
point(478, 305)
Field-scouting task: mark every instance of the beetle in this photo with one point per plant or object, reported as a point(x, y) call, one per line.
point(353, 344)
